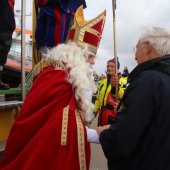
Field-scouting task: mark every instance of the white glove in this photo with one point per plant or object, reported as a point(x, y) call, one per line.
point(92, 135)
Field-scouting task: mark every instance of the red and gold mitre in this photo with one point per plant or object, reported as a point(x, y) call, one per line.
point(87, 33)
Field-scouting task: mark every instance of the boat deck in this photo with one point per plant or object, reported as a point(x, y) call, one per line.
point(6, 105)
point(10, 91)
point(11, 94)
point(8, 112)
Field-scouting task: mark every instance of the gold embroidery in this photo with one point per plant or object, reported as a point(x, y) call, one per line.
point(64, 126)
point(56, 63)
point(81, 143)
point(81, 26)
point(46, 63)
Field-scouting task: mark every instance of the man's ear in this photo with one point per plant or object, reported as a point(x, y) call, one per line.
point(149, 47)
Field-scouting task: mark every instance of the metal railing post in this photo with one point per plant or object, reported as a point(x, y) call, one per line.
point(23, 12)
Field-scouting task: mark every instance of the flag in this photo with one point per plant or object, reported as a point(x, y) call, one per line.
point(53, 21)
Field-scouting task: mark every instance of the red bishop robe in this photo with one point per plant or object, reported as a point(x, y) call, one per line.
point(48, 133)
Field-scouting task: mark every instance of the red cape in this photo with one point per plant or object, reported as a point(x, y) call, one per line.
point(34, 142)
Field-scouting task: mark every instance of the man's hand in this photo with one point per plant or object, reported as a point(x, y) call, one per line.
point(100, 129)
point(116, 105)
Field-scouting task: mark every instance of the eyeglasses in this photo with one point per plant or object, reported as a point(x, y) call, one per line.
point(134, 49)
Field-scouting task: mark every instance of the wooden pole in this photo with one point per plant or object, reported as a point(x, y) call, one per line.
point(115, 42)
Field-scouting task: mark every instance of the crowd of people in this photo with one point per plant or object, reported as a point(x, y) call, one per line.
point(52, 130)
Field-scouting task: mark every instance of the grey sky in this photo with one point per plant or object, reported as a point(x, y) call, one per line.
point(131, 15)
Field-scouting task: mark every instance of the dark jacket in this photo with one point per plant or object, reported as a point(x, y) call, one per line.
point(7, 25)
point(7, 20)
point(139, 139)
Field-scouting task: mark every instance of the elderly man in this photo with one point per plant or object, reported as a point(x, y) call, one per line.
point(140, 136)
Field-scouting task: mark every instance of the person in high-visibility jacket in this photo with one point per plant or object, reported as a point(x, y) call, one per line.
point(123, 82)
point(106, 96)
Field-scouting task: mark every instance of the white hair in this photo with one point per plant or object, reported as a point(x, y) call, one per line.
point(158, 37)
point(80, 74)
